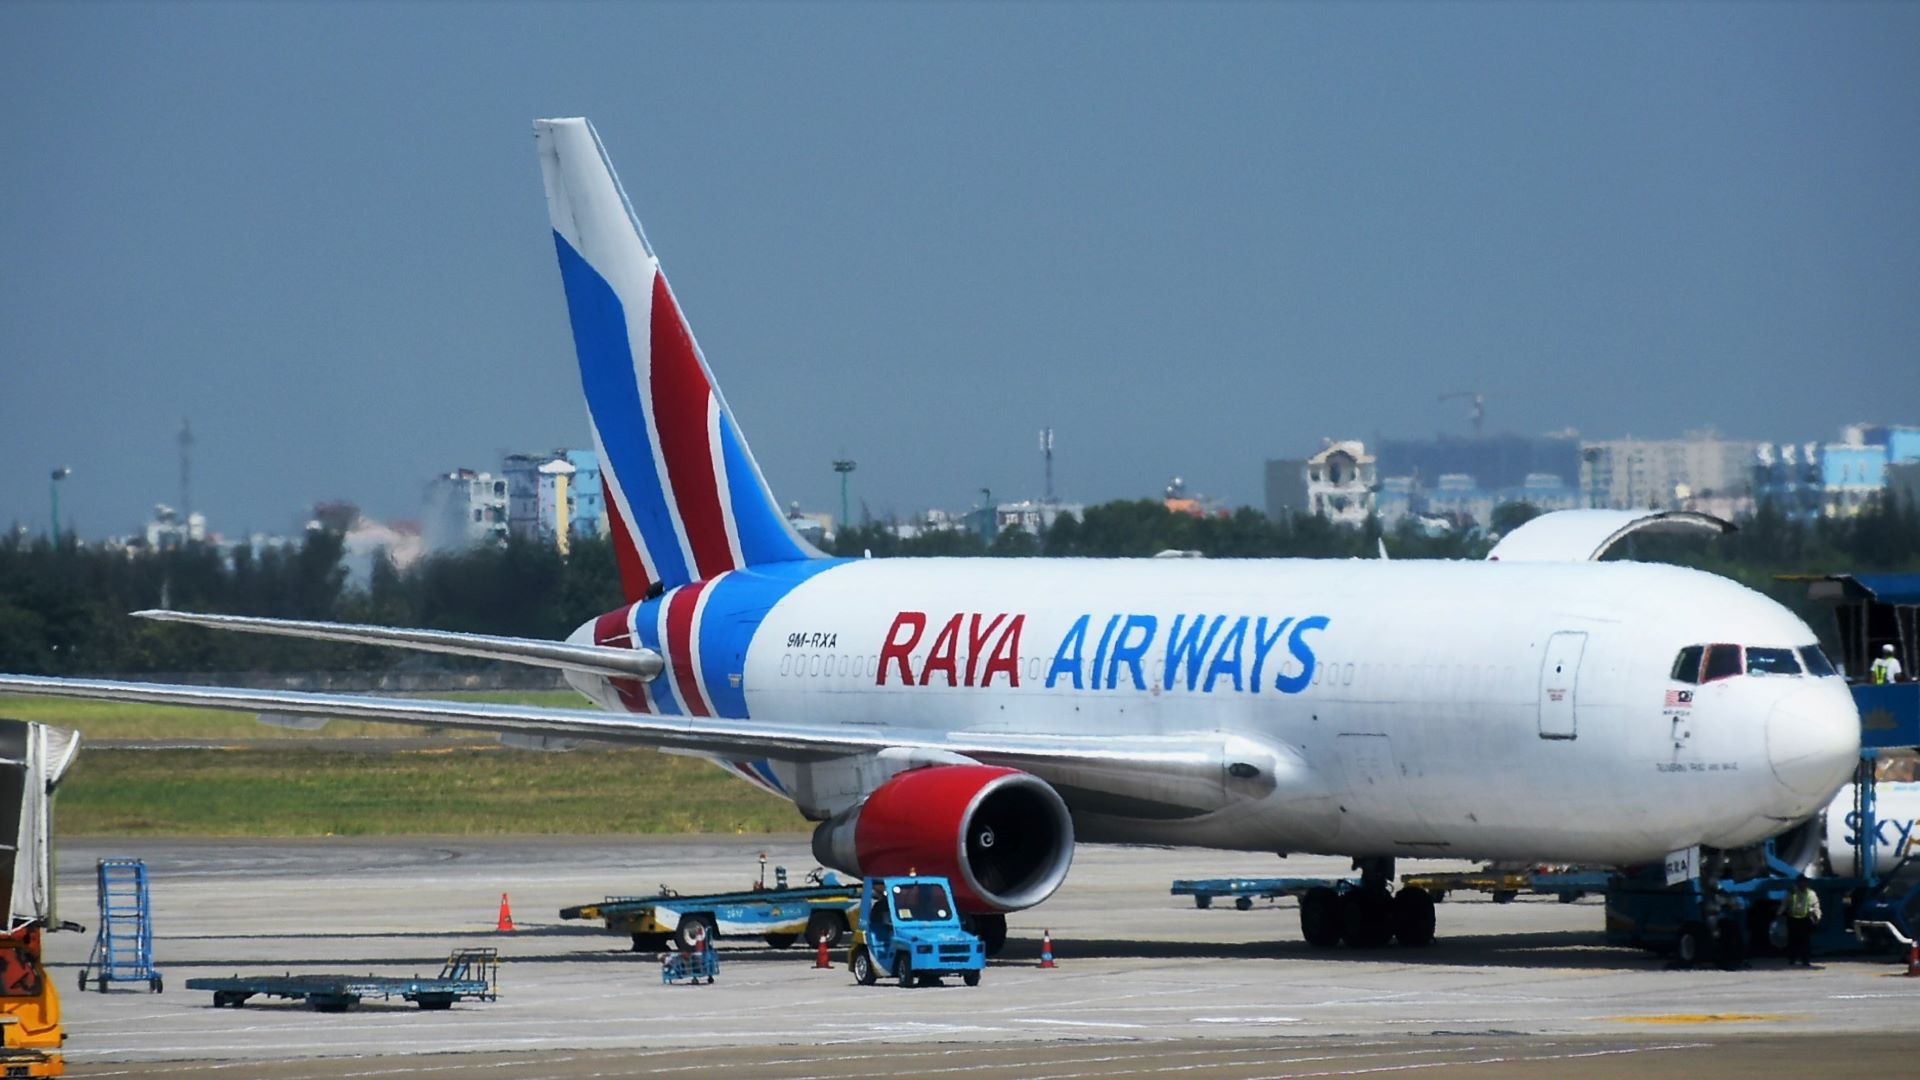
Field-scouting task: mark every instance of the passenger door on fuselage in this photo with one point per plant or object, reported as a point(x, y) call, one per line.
point(1560, 685)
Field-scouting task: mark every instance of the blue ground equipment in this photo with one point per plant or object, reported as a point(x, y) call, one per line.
point(778, 915)
point(909, 928)
point(468, 974)
point(123, 950)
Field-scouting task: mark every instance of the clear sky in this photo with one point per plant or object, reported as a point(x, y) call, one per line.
point(1187, 237)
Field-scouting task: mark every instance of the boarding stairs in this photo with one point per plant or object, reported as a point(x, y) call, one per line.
point(123, 950)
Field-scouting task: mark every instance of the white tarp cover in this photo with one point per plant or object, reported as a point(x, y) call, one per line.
point(33, 757)
point(1585, 535)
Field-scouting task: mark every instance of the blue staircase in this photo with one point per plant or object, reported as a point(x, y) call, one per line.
point(123, 951)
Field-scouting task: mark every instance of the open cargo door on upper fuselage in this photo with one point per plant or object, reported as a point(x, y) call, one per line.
point(1586, 535)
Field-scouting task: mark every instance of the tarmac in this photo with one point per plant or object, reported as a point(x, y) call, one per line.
point(1146, 983)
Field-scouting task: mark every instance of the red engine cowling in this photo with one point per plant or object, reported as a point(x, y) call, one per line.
point(1002, 836)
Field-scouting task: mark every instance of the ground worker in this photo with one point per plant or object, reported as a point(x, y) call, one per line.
point(1803, 914)
point(1887, 668)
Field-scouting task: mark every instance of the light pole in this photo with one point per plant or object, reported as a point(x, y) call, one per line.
point(53, 491)
point(844, 466)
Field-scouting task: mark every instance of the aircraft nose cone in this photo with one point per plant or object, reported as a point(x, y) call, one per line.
point(1813, 739)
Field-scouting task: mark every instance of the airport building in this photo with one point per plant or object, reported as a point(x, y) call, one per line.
point(1495, 462)
point(1858, 467)
point(464, 508)
point(1032, 516)
point(1340, 482)
point(169, 529)
point(1286, 488)
point(1787, 475)
point(555, 498)
point(538, 503)
point(587, 508)
point(1838, 479)
point(1702, 471)
point(1460, 501)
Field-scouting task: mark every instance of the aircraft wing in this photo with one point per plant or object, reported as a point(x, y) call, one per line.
point(704, 735)
point(618, 663)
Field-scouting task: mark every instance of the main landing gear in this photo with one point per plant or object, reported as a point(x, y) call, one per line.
point(1367, 916)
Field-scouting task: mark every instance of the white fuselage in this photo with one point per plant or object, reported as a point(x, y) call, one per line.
point(1413, 708)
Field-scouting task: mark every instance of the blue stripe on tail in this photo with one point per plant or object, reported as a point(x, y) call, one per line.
point(615, 403)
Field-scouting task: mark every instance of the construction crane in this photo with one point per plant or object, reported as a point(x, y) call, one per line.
point(1479, 408)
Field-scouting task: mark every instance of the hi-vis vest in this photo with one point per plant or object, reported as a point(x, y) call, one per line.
point(1882, 671)
point(1800, 904)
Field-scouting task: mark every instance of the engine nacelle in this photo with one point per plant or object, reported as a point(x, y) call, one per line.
point(1002, 836)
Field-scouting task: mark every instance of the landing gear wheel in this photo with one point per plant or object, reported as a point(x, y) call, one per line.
point(1691, 945)
point(1320, 917)
point(1413, 917)
point(971, 978)
point(1366, 917)
point(992, 930)
point(692, 933)
point(782, 941)
point(828, 926)
point(863, 972)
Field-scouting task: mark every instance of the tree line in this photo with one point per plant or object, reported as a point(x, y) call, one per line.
point(63, 608)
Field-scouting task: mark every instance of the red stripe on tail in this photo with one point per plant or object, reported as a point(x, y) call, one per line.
point(681, 395)
point(626, 555)
point(614, 631)
point(681, 643)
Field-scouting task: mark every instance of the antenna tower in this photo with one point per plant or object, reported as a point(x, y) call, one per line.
point(186, 476)
point(844, 467)
point(1046, 449)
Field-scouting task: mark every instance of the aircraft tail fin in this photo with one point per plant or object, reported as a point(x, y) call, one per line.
point(685, 500)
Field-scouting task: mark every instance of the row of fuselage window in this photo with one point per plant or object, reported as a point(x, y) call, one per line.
point(1033, 672)
point(1711, 663)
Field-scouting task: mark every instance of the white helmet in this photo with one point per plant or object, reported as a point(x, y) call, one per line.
point(1888, 649)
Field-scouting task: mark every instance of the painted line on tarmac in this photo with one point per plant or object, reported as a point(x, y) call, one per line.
point(1523, 1059)
point(1707, 1019)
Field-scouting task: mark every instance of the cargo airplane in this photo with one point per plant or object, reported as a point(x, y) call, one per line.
point(979, 717)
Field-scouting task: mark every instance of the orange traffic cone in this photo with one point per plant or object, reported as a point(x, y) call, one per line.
point(1046, 948)
point(505, 925)
point(823, 960)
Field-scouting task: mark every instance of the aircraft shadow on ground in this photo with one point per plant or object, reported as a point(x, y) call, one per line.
point(1549, 949)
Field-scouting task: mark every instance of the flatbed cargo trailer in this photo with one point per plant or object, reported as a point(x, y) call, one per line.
point(780, 916)
point(1244, 891)
point(469, 974)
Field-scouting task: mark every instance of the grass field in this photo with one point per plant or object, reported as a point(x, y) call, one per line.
point(318, 791)
point(114, 720)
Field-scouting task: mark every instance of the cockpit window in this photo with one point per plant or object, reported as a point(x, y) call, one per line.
point(1772, 661)
point(1816, 661)
point(1723, 662)
point(1686, 666)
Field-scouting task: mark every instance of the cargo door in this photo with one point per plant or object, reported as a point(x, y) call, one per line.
point(1560, 685)
point(1377, 793)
